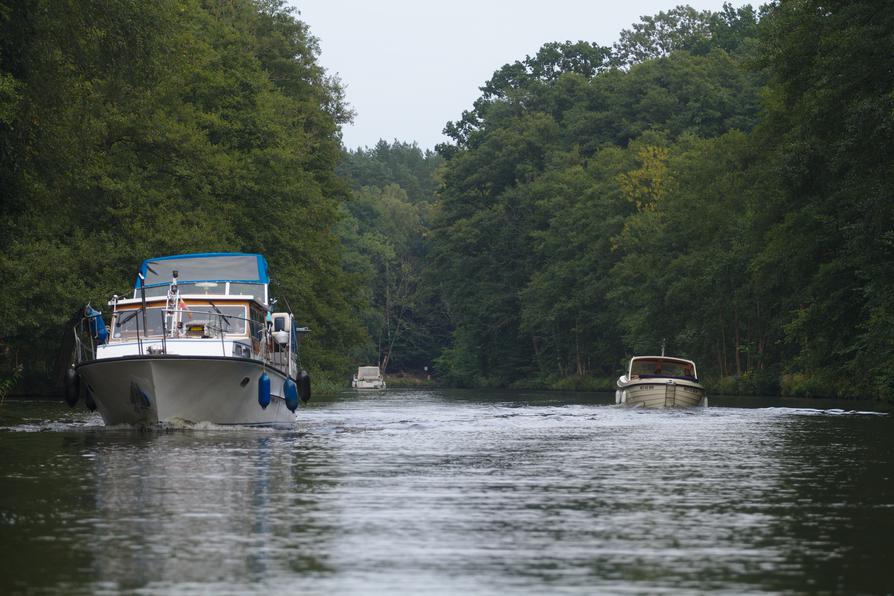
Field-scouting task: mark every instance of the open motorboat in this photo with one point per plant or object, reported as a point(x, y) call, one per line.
point(660, 382)
point(368, 377)
point(197, 342)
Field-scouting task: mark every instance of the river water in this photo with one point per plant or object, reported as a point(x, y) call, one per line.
point(452, 492)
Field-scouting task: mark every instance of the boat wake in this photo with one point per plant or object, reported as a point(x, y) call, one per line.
point(825, 412)
point(94, 423)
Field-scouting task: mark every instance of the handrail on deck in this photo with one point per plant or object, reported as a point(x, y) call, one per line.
point(85, 347)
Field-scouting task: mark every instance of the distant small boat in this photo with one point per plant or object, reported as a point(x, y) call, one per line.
point(660, 382)
point(368, 377)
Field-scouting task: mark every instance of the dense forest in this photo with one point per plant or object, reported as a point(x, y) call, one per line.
point(384, 234)
point(719, 181)
point(138, 129)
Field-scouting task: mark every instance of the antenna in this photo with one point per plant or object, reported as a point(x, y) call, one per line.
point(663, 343)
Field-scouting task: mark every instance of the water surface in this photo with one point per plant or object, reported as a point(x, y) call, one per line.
point(451, 492)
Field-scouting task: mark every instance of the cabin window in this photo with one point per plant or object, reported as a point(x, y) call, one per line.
point(257, 323)
point(152, 292)
point(256, 290)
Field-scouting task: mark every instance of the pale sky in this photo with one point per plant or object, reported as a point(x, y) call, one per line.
point(409, 66)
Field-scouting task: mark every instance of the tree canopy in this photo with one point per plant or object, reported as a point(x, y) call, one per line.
point(721, 181)
point(130, 130)
point(718, 180)
point(384, 234)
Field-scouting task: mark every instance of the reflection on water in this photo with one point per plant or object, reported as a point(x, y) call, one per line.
point(446, 492)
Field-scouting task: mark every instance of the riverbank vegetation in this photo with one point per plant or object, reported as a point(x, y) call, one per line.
point(731, 195)
point(719, 180)
point(130, 130)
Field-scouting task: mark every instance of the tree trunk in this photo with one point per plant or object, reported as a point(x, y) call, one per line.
point(558, 352)
point(537, 353)
point(723, 360)
point(738, 340)
point(580, 366)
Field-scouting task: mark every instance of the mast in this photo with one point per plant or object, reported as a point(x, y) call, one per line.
point(143, 305)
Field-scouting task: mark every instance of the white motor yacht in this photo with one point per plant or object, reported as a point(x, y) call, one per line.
point(198, 341)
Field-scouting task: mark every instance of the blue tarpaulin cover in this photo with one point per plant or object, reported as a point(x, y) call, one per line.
point(210, 267)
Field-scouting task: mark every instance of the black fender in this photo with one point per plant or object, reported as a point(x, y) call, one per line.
point(88, 398)
point(304, 386)
point(72, 385)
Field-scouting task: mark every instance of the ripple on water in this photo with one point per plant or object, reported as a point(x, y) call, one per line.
point(455, 491)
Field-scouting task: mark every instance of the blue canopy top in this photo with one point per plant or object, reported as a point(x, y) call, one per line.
point(209, 266)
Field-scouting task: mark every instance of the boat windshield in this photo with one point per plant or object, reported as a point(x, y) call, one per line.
point(127, 324)
point(368, 372)
point(229, 319)
point(197, 321)
point(662, 367)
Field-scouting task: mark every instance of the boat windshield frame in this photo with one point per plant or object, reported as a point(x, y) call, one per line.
point(228, 320)
point(368, 373)
point(662, 367)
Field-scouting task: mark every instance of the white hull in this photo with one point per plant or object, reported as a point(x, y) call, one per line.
point(368, 384)
point(147, 390)
point(661, 393)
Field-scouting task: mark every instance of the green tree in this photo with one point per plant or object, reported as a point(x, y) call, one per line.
point(130, 131)
point(389, 215)
point(828, 135)
point(537, 183)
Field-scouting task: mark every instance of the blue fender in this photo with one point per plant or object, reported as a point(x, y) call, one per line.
point(264, 390)
point(290, 389)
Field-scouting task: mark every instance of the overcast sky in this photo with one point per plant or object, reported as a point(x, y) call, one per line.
point(409, 66)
